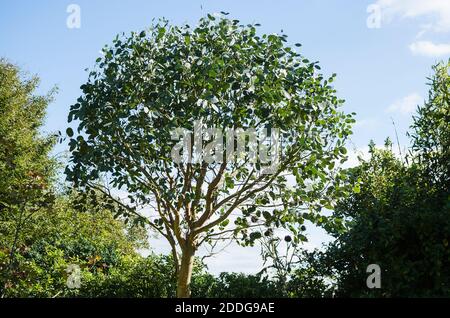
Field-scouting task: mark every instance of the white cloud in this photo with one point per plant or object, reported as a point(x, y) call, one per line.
point(405, 105)
point(438, 11)
point(434, 16)
point(430, 49)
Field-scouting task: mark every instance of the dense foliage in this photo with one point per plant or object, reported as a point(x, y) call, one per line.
point(400, 219)
point(26, 171)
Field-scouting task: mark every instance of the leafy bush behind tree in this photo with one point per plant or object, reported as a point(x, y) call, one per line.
point(400, 219)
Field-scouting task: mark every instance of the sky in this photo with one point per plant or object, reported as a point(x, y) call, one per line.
point(381, 50)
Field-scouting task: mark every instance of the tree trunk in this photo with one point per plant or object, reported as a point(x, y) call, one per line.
point(185, 272)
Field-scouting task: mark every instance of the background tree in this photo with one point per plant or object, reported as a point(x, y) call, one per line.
point(151, 83)
point(400, 219)
point(431, 128)
point(62, 236)
point(41, 232)
point(293, 271)
point(26, 171)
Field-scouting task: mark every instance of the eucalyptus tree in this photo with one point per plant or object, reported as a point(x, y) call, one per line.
point(218, 77)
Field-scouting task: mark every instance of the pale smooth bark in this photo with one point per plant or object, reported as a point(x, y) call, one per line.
point(185, 272)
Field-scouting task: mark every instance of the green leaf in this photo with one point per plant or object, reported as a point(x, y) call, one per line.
point(69, 132)
point(255, 235)
point(267, 215)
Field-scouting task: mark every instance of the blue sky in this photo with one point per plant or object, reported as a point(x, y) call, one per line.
point(381, 71)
